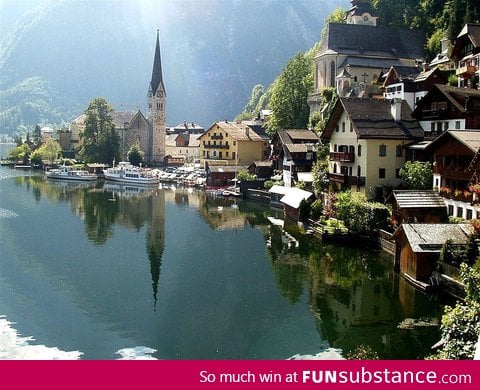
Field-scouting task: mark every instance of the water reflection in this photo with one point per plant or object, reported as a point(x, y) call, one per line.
point(354, 295)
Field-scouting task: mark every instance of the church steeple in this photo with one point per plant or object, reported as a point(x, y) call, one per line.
point(156, 111)
point(362, 12)
point(157, 76)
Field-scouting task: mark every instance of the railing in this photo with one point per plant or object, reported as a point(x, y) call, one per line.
point(466, 70)
point(346, 179)
point(216, 146)
point(216, 137)
point(342, 157)
point(457, 172)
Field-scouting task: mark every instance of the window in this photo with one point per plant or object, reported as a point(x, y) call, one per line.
point(399, 151)
point(343, 127)
point(457, 125)
point(351, 127)
point(460, 212)
point(469, 214)
point(450, 209)
point(381, 173)
point(382, 150)
point(445, 126)
point(432, 126)
point(442, 106)
point(359, 171)
point(359, 150)
point(439, 127)
point(335, 147)
point(233, 155)
point(337, 129)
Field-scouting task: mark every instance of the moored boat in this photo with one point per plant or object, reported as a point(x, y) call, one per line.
point(125, 172)
point(70, 173)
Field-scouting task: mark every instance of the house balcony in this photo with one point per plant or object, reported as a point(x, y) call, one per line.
point(216, 137)
point(452, 172)
point(466, 71)
point(342, 157)
point(346, 179)
point(216, 146)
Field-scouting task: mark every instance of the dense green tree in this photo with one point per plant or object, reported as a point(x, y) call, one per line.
point(288, 103)
point(20, 153)
point(417, 175)
point(135, 155)
point(359, 215)
point(100, 142)
point(50, 150)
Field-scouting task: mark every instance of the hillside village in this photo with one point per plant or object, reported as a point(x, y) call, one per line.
point(392, 108)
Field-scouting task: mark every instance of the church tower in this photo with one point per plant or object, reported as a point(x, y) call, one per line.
point(362, 12)
point(156, 112)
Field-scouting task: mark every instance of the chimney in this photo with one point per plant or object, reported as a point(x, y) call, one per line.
point(247, 132)
point(396, 109)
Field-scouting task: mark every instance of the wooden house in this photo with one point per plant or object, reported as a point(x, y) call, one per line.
point(418, 207)
point(294, 151)
point(418, 247)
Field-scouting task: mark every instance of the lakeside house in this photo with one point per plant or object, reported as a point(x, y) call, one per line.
point(414, 206)
point(418, 247)
point(456, 171)
point(228, 143)
point(367, 139)
point(294, 152)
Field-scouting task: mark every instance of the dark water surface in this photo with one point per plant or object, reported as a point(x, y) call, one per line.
point(105, 271)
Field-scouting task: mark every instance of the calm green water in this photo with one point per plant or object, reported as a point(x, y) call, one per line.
point(104, 271)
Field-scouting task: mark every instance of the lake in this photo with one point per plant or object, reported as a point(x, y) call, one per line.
point(106, 272)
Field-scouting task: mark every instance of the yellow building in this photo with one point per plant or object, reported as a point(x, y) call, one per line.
point(231, 143)
point(367, 139)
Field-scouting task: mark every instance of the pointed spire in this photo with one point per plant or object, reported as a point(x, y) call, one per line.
point(157, 77)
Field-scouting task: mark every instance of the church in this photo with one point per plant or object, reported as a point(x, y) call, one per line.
point(150, 132)
point(354, 54)
point(132, 127)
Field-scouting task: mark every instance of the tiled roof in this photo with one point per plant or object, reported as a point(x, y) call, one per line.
point(294, 197)
point(431, 237)
point(238, 131)
point(194, 140)
point(471, 139)
point(384, 41)
point(473, 32)
point(418, 199)
point(122, 117)
point(373, 118)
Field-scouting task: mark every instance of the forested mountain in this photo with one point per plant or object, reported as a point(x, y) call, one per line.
point(56, 56)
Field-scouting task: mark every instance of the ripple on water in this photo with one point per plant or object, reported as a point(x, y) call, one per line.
point(4, 213)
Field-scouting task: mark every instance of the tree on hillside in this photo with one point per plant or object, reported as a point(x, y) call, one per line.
point(290, 91)
point(100, 142)
point(417, 175)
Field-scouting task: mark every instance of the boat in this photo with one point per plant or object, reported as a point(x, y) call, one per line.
point(70, 173)
point(125, 172)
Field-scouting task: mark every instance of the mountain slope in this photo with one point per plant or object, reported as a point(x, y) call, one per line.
point(62, 54)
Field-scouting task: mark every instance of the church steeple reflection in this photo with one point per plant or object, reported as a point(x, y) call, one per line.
point(155, 239)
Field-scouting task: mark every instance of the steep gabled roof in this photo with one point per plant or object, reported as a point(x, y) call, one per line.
point(380, 41)
point(121, 117)
point(469, 138)
point(470, 32)
point(459, 97)
point(373, 118)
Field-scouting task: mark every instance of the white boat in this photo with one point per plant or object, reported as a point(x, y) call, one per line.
point(70, 173)
point(125, 172)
